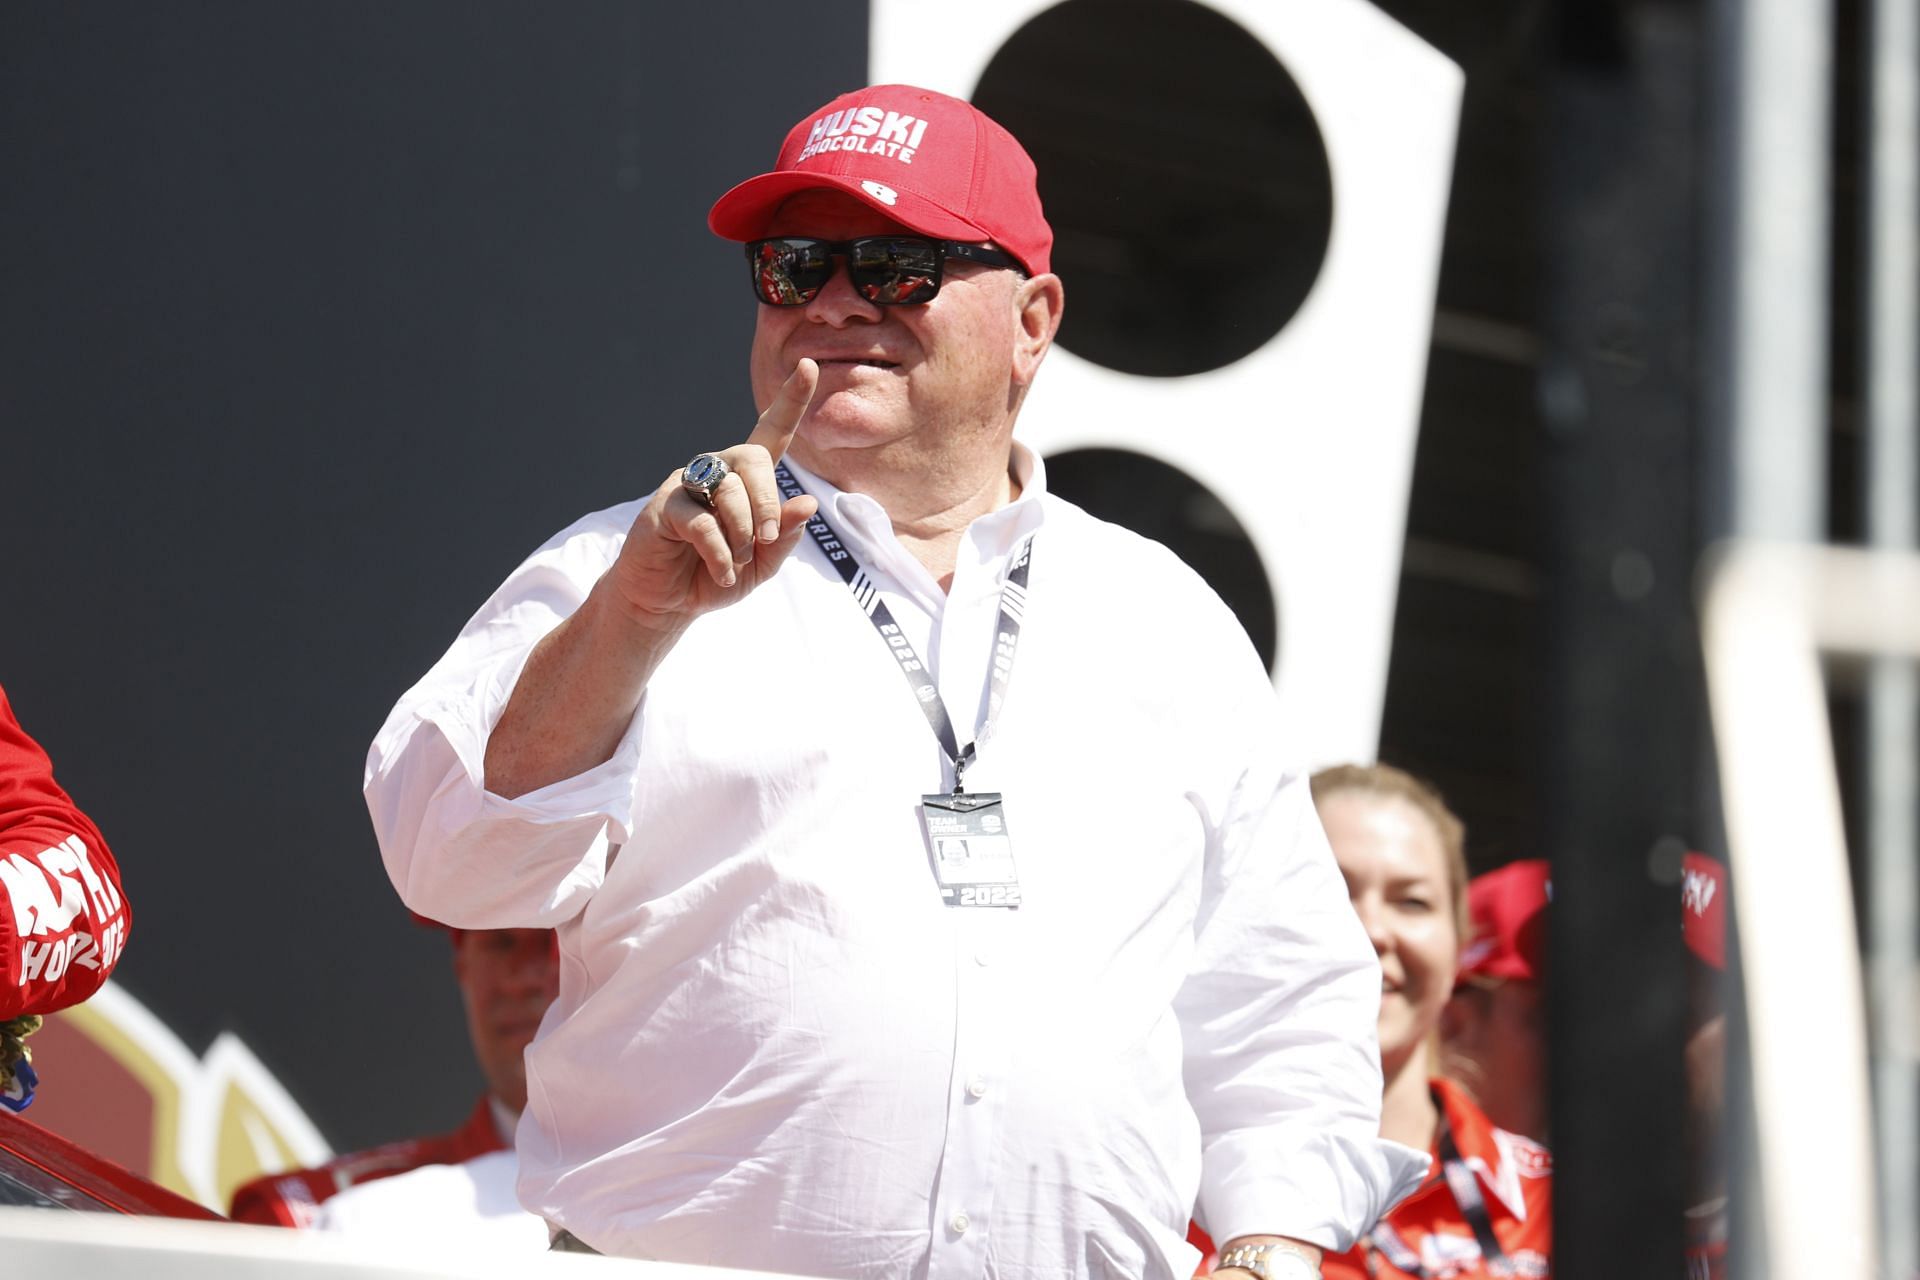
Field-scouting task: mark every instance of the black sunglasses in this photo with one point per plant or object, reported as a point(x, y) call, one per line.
point(888, 271)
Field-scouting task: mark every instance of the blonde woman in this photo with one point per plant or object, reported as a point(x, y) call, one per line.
point(1485, 1208)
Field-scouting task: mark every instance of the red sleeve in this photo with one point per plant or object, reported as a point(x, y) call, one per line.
point(63, 921)
point(293, 1198)
point(283, 1199)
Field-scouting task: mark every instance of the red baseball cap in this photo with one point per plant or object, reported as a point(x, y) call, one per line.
point(1508, 909)
point(929, 162)
point(1703, 908)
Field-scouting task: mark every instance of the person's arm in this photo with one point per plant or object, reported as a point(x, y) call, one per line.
point(500, 782)
point(281, 1199)
point(580, 687)
point(1278, 1012)
point(63, 919)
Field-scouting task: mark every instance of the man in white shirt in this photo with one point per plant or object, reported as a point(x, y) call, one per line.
point(932, 896)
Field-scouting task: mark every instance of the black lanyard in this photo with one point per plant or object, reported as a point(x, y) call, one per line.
point(1013, 603)
point(1473, 1207)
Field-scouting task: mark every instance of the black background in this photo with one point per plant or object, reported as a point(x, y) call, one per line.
point(314, 320)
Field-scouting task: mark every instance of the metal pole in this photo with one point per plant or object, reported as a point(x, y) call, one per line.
point(1781, 87)
point(1619, 256)
point(1891, 389)
point(1767, 391)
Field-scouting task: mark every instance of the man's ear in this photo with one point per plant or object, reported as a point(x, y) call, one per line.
point(1038, 305)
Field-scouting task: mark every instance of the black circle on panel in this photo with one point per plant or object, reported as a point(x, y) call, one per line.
point(1171, 507)
point(1183, 172)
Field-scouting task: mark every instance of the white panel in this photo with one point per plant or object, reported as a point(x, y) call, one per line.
point(1309, 440)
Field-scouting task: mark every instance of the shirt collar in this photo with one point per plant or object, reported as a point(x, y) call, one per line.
point(1492, 1153)
point(1000, 532)
point(865, 524)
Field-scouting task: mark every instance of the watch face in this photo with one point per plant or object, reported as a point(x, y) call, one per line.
point(1288, 1265)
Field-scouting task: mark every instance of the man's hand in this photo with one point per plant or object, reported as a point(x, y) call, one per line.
point(682, 558)
point(577, 693)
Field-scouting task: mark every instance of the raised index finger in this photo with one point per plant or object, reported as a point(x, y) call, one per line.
point(776, 426)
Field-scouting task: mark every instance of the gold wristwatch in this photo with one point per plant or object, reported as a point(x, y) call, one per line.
point(1271, 1261)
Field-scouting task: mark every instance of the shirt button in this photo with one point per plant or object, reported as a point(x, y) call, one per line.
point(977, 1086)
point(983, 957)
point(959, 1223)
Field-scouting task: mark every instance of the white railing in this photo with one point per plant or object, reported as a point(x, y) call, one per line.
point(1771, 614)
point(109, 1246)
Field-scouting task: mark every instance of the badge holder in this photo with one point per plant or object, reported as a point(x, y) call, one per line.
point(971, 852)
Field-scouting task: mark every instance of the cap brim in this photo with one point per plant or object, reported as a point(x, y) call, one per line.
point(745, 212)
point(1506, 968)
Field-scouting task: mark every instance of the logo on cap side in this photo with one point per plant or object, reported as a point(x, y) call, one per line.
point(1696, 891)
point(866, 129)
point(880, 191)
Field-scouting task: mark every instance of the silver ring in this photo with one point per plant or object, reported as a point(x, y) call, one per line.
point(703, 475)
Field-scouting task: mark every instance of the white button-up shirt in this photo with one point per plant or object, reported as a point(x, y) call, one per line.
point(775, 1047)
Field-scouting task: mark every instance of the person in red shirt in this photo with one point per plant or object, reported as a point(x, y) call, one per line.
point(1486, 1208)
point(1494, 1030)
point(1703, 916)
point(63, 919)
point(507, 979)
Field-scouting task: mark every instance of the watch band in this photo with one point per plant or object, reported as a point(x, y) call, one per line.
point(1271, 1262)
